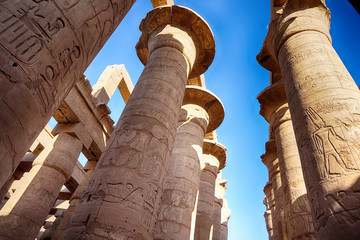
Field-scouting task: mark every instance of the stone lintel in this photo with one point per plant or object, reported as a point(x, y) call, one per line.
point(188, 21)
point(271, 99)
point(208, 101)
point(90, 165)
point(114, 76)
point(292, 20)
point(74, 129)
point(44, 137)
point(64, 195)
point(125, 86)
point(217, 150)
point(158, 3)
point(80, 106)
point(197, 81)
point(76, 177)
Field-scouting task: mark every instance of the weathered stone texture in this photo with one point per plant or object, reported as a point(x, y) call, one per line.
point(297, 215)
point(44, 47)
point(271, 161)
point(24, 213)
point(325, 104)
point(201, 111)
point(123, 196)
point(213, 159)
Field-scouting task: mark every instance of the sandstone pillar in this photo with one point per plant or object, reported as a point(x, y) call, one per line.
point(212, 160)
point(220, 191)
point(123, 196)
point(275, 110)
point(269, 202)
point(75, 198)
point(225, 216)
point(271, 161)
point(202, 112)
point(325, 107)
point(44, 47)
point(25, 212)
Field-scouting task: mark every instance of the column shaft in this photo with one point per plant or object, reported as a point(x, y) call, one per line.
point(123, 196)
point(298, 218)
point(25, 212)
point(44, 47)
point(324, 102)
point(179, 200)
point(204, 219)
point(217, 219)
point(279, 215)
point(75, 198)
point(269, 202)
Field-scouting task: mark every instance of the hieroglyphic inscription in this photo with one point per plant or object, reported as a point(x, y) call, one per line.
point(32, 35)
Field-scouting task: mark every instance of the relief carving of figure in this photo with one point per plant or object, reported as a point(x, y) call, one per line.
point(335, 158)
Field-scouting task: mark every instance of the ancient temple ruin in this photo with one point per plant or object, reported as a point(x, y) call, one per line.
point(157, 173)
point(312, 106)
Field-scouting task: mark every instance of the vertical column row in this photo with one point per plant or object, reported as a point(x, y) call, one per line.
point(324, 103)
point(123, 196)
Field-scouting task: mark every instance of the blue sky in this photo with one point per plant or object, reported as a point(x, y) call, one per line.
point(236, 78)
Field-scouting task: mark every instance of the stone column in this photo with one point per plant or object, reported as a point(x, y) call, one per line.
point(75, 198)
point(25, 212)
point(225, 216)
point(274, 108)
point(269, 202)
point(202, 112)
point(220, 191)
point(44, 47)
point(325, 107)
point(212, 160)
point(123, 196)
point(271, 161)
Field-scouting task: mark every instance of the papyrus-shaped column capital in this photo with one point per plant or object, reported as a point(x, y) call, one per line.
point(292, 19)
point(271, 99)
point(270, 158)
point(161, 28)
point(209, 102)
point(216, 150)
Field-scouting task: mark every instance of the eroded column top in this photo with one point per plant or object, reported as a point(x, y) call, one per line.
point(217, 150)
point(208, 101)
point(187, 20)
point(271, 98)
point(270, 158)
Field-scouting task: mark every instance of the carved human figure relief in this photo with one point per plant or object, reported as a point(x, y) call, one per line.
point(333, 148)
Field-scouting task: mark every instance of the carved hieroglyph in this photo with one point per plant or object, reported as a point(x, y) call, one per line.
point(212, 160)
point(271, 161)
point(325, 107)
point(274, 109)
point(123, 195)
point(201, 112)
point(25, 212)
point(44, 47)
